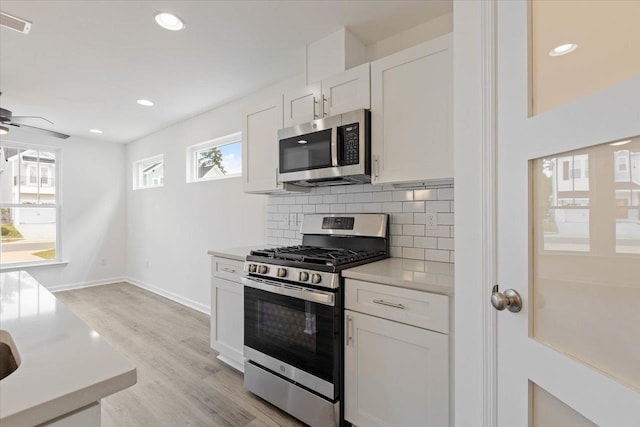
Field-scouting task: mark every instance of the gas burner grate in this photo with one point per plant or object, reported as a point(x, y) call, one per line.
point(316, 255)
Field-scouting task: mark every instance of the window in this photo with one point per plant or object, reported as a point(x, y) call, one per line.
point(148, 173)
point(215, 159)
point(29, 206)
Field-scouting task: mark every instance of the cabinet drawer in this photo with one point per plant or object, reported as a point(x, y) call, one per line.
point(422, 309)
point(229, 269)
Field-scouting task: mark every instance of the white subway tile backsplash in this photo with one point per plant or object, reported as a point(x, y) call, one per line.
point(338, 208)
point(414, 253)
point(402, 241)
point(401, 218)
point(390, 207)
point(413, 206)
point(363, 197)
point(413, 230)
point(402, 196)
point(445, 243)
point(431, 194)
point(332, 199)
point(425, 242)
point(438, 206)
point(410, 238)
point(445, 194)
point(436, 255)
point(445, 218)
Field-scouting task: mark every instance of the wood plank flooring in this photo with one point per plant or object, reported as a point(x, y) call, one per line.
point(180, 381)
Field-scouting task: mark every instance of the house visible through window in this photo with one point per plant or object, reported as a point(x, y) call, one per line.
point(215, 159)
point(148, 173)
point(29, 206)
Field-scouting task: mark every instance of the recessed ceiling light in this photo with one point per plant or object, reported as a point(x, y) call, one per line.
point(95, 131)
point(563, 49)
point(145, 102)
point(616, 144)
point(169, 21)
point(4, 130)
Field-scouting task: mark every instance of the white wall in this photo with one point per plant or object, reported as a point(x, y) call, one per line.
point(174, 226)
point(93, 211)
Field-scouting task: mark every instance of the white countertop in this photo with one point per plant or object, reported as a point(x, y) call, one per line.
point(65, 365)
point(426, 276)
point(239, 253)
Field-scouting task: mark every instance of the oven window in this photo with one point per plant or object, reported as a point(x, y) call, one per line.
point(288, 326)
point(301, 333)
point(311, 151)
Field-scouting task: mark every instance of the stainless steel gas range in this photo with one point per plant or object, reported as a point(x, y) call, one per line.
point(293, 313)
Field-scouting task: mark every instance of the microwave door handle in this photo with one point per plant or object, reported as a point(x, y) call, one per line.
point(334, 146)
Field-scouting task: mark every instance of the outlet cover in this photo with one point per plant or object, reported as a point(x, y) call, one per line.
point(432, 221)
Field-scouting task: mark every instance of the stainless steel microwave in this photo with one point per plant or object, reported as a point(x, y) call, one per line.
point(330, 151)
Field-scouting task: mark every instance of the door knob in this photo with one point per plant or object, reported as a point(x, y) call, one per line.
point(510, 300)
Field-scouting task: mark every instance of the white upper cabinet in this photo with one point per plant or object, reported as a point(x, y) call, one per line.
point(411, 114)
point(347, 91)
point(338, 94)
point(302, 105)
point(260, 124)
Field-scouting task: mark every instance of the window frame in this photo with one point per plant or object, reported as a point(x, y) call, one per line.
point(138, 173)
point(56, 176)
point(192, 160)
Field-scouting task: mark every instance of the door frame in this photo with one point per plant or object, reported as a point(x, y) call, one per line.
point(475, 177)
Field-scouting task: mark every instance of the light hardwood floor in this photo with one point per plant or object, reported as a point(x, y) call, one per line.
point(180, 381)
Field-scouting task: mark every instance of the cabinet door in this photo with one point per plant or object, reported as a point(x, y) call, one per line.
point(411, 114)
point(260, 146)
point(347, 91)
point(227, 321)
point(302, 105)
point(395, 374)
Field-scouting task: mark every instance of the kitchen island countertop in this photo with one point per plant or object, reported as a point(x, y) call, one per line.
point(64, 364)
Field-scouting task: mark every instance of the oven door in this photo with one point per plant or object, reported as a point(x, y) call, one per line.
point(294, 332)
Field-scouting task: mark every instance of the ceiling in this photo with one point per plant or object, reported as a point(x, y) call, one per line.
point(85, 63)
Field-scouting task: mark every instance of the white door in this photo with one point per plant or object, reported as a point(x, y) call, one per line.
point(568, 229)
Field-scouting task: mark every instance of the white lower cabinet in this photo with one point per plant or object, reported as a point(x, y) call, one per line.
point(396, 375)
point(227, 311)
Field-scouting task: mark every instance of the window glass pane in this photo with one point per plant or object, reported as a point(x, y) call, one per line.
point(28, 234)
point(150, 173)
point(219, 161)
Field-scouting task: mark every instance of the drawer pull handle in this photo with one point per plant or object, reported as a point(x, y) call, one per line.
point(349, 335)
point(228, 270)
point(390, 304)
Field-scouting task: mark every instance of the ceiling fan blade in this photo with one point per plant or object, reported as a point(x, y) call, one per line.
point(18, 119)
point(46, 131)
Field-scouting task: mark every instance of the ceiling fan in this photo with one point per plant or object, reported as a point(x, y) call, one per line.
point(8, 119)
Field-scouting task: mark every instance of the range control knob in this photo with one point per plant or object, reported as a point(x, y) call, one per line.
point(263, 269)
point(315, 278)
point(282, 272)
point(303, 276)
point(252, 268)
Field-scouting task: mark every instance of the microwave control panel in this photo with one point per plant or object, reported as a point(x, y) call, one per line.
point(350, 144)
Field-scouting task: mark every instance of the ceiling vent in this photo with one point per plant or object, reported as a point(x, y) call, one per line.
point(15, 23)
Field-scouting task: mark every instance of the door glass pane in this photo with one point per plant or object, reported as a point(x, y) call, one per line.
point(586, 256)
point(548, 411)
point(607, 36)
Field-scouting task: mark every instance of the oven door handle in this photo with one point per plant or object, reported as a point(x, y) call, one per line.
point(325, 298)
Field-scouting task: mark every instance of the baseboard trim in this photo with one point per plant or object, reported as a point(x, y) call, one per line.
point(170, 295)
point(80, 285)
